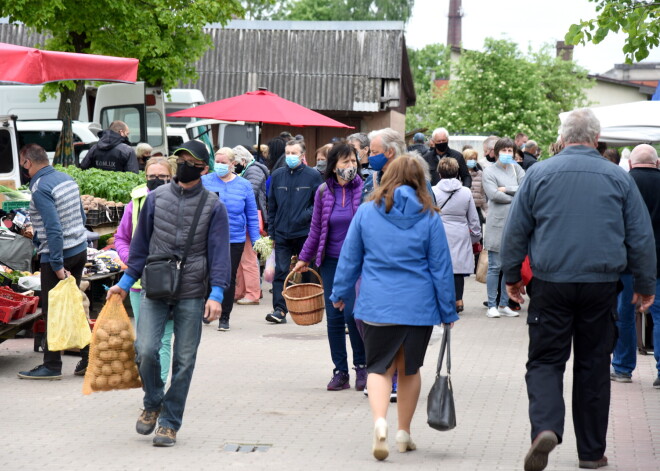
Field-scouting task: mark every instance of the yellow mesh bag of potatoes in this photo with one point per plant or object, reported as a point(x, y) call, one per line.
point(67, 323)
point(111, 353)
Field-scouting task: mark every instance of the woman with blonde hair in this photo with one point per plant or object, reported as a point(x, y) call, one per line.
point(396, 243)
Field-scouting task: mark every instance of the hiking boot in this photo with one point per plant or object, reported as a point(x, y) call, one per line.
point(146, 423)
point(601, 463)
point(40, 372)
point(223, 325)
point(360, 378)
point(537, 456)
point(165, 436)
point(81, 368)
point(339, 381)
point(276, 317)
point(620, 377)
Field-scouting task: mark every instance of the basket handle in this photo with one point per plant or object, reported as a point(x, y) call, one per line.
point(286, 280)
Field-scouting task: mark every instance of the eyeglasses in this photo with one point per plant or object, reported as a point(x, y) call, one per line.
point(161, 177)
point(189, 163)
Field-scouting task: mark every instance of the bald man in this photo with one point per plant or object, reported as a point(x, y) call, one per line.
point(644, 169)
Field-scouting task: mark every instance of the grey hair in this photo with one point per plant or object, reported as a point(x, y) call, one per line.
point(644, 154)
point(361, 138)
point(489, 142)
point(242, 155)
point(392, 140)
point(580, 126)
point(531, 145)
point(439, 131)
point(142, 148)
point(425, 166)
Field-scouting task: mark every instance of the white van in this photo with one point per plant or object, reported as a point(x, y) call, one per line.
point(9, 165)
point(226, 133)
point(178, 99)
point(47, 134)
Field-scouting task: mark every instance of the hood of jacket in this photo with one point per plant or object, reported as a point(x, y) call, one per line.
point(406, 211)
point(110, 139)
point(449, 184)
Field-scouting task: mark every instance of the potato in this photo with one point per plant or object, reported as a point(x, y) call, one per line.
point(114, 381)
point(113, 327)
point(97, 370)
point(117, 367)
point(102, 346)
point(127, 346)
point(114, 342)
point(108, 355)
point(127, 377)
point(123, 356)
point(126, 334)
point(101, 334)
point(129, 365)
point(106, 370)
point(100, 383)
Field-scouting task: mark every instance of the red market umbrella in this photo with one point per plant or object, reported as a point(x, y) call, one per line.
point(260, 106)
point(31, 66)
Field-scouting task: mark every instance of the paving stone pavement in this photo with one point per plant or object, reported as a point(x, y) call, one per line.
point(265, 384)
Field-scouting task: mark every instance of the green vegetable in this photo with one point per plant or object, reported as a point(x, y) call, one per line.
point(13, 194)
point(264, 247)
point(113, 186)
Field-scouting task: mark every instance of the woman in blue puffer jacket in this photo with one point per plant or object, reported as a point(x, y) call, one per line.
point(237, 195)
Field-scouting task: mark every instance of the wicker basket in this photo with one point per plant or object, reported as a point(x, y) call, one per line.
point(305, 301)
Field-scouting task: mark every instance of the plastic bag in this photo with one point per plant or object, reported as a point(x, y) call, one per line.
point(269, 271)
point(67, 324)
point(112, 353)
point(30, 282)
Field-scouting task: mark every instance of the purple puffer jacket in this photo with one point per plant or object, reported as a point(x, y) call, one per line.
point(318, 232)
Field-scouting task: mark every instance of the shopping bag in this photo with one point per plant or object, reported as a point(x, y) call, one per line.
point(482, 266)
point(67, 324)
point(112, 353)
point(269, 271)
point(440, 404)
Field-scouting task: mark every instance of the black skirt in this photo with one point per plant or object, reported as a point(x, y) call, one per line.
point(382, 343)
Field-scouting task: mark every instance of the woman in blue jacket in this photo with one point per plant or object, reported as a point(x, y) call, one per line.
point(237, 195)
point(397, 244)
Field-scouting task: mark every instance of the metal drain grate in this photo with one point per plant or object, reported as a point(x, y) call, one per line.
point(246, 447)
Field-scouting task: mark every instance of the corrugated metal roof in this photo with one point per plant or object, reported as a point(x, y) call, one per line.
point(313, 25)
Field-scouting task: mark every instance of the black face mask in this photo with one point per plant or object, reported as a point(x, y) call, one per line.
point(490, 159)
point(187, 174)
point(153, 184)
point(442, 147)
point(238, 168)
point(25, 175)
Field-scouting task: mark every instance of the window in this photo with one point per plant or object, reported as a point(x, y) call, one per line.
point(6, 157)
point(46, 139)
point(128, 114)
point(154, 129)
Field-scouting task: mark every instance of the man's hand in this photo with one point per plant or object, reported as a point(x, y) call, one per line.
point(62, 273)
point(116, 290)
point(643, 300)
point(212, 310)
point(339, 305)
point(516, 292)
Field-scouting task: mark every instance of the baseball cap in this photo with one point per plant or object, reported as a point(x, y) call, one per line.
point(195, 148)
point(419, 137)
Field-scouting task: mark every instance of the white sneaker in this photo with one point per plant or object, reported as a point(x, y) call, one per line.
point(507, 312)
point(492, 312)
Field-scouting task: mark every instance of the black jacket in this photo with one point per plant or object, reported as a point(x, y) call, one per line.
point(648, 182)
point(111, 153)
point(291, 201)
point(432, 158)
point(528, 160)
point(421, 148)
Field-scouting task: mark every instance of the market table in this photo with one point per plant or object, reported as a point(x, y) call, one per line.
point(96, 290)
point(9, 330)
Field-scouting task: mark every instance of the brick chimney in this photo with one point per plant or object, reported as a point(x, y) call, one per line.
point(454, 30)
point(564, 51)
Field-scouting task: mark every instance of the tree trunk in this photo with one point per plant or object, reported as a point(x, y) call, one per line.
point(76, 97)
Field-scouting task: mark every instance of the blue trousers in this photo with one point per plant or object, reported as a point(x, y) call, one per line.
point(338, 320)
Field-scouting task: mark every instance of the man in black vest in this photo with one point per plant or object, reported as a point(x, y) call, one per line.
point(440, 149)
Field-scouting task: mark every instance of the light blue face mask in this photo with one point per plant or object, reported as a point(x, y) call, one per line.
point(471, 163)
point(506, 159)
point(292, 160)
point(221, 169)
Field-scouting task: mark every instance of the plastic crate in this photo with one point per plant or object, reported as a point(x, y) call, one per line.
point(7, 313)
point(20, 304)
point(20, 204)
point(31, 301)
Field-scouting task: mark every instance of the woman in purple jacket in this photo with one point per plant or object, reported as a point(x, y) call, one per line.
point(335, 204)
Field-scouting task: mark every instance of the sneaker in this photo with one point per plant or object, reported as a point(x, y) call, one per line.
point(146, 423)
point(620, 377)
point(40, 372)
point(165, 436)
point(537, 456)
point(601, 463)
point(514, 306)
point(206, 321)
point(656, 383)
point(365, 392)
point(339, 381)
point(224, 325)
point(393, 394)
point(492, 312)
point(507, 312)
point(360, 378)
point(80, 368)
point(247, 302)
point(276, 317)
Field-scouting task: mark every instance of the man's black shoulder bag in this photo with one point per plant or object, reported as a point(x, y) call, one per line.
point(161, 278)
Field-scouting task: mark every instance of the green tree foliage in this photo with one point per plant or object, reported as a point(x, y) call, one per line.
point(429, 63)
point(345, 10)
point(165, 35)
point(501, 91)
point(638, 19)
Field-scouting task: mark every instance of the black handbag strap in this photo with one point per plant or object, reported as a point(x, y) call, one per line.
point(444, 346)
point(193, 227)
point(447, 200)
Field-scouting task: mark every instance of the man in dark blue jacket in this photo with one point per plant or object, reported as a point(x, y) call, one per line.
point(582, 221)
point(290, 206)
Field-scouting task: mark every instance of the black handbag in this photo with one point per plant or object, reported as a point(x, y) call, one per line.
point(161, 278)
point(440, 404)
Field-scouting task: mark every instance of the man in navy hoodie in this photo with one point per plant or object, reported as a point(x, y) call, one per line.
point(61, 240)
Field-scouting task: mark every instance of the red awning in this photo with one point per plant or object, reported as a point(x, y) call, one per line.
point(31, 66)
point(260, 106)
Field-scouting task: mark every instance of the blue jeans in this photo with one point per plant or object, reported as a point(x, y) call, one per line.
point(154, 316)
point(284, 250)
point(338, 320)
point(492, 277)
point(166, 349)
point(624, 358)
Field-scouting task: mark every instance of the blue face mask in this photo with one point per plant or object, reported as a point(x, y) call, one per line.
point(471, 163)
point(506, 159)
point(377, 161)
point(221, 169)
point(293, 160)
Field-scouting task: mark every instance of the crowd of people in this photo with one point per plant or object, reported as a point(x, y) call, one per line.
point(445, 210)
